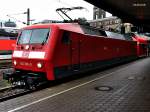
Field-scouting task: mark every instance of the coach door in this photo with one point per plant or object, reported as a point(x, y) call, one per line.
point(75, 51)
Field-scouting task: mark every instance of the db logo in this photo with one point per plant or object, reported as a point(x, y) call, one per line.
point(25, 54)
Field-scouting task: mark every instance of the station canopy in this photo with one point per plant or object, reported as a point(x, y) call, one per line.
point(133, 11)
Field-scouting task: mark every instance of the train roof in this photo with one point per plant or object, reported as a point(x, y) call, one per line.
point(82, 29)
point(73, 27)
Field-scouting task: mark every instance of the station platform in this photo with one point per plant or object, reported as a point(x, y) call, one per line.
point(125, 88)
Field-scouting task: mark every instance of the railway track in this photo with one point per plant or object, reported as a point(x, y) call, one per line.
point(17, 91)
point(4, 64)
point(5, 67)
point(12, 92)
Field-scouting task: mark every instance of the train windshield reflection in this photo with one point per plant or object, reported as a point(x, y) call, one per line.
point(34, 36)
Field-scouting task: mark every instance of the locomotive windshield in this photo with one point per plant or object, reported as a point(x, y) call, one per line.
point(34, 36)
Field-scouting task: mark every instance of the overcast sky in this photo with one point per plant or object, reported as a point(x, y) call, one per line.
point(42, 9)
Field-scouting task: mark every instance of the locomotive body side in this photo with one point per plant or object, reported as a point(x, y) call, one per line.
point(80, 52)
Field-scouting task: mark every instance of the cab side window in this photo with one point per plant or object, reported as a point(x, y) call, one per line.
point(66, 37)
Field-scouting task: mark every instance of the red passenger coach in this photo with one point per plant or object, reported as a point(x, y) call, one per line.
point(53, 51)
point(142, 44)
point(7, 43)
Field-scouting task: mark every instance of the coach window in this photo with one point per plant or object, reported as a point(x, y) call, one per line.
point(66, 38)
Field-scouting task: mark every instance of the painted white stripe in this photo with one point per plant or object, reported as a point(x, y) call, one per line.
point(32, 54)
point(36, 54)
point(17, 53)
point(5, 56)
point(56, 94)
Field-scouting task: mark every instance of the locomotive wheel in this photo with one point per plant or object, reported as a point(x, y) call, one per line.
point(31, 83)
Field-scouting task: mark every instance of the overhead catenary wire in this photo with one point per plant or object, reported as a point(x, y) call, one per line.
point(16, 19)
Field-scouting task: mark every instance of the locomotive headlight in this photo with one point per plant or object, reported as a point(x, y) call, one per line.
point(27, 47)
point(15, 62)
point(39, 65)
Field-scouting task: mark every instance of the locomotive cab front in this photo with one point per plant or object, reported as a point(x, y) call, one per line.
point(32, 55)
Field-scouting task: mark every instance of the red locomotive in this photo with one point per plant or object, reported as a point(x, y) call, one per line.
point(53, 51)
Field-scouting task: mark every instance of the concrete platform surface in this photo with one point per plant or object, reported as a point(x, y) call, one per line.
point(130, 92)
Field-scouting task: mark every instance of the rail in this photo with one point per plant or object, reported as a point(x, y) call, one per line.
point(12, 92)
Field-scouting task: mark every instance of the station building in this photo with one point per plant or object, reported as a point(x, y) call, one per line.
point(108, 23)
